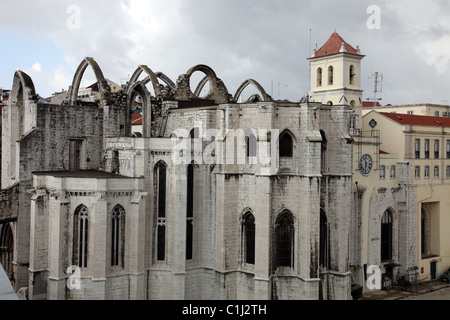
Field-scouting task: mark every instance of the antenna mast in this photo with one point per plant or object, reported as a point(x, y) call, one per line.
point(378, 88)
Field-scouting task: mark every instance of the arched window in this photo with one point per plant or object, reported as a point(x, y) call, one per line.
point(352, 75)
point(6, 249)
point(330, 75)
point(194, 133)
point(284, 240)
point(160, 178)
point(250, 144)
point(249, 230)
point(386, 236)
point(118, 236)
point(80, 236)
point(323, 255)
point(319, 77)
point(286, 145)
point(190, 212)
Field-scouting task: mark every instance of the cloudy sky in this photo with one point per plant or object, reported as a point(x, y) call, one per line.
point(266, 40)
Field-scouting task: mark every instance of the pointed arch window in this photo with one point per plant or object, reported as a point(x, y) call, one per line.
point(80, 236)
point(249, 229)
point(160, 180)
point(323, 154)
point(386, 236)
point(284, 240)
point(323, 246)
point(6, 249)
point(286, 145)
point(250, 145)
point(190, 212)
point(118, 236)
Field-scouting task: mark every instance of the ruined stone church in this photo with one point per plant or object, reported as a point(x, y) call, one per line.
point(94, 210)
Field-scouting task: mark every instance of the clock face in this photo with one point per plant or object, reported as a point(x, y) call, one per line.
point(365, 164)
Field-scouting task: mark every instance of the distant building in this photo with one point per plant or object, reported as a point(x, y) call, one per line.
point(426, 109)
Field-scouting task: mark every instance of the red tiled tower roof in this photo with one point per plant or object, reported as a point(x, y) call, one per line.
point(333, 46)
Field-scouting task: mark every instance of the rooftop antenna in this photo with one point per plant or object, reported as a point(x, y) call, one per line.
point(309, 63)
point(378, 88)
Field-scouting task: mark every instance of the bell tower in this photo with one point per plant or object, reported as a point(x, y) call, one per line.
point(336, 74)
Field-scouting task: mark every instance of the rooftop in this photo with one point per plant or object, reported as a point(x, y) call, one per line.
point(409, 119)
point(96, 174)
point(335, 45)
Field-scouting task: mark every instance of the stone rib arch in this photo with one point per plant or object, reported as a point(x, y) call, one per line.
point(217, 92)
point(201, 85)
point(152, 77)
point(103, 85)
point(245, 84)
point(166, 79)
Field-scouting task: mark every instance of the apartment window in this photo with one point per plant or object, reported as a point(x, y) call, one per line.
point(417, 148)
point(448, 172)
point(445, 114)
point(427, 148)
point(436, 148)
point(417, 172)
point(436, 171)
point(436, 114)
point(410, 112)
point(382, 172)
point(392, 172)
point(448, 149)
point(427, 172)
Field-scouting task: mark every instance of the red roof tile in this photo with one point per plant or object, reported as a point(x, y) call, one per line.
point(369, 104)
point(136, 119)
point(409, 119)
point(333, 46)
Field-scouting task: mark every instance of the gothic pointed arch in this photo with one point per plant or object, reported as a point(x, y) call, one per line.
point(103, 84)
point(245, 84)
point(138, 88)
point(152, 77)
point(7, 249)
point(286, 144)
point(284, 239)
